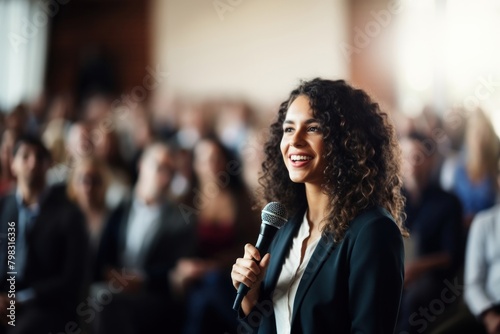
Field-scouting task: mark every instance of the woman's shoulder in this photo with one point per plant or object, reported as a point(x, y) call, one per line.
point(372, 233)
point(373, 221)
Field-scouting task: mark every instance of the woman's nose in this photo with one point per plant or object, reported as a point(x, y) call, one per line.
point(297, 139)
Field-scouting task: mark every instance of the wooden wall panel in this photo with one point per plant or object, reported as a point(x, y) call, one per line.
point(118, 29)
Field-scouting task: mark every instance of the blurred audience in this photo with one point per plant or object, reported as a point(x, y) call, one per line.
point(232, 125)
point(144, 238)
point(78, 145)
point(84, 141)
point(184, 178)
point(87, 187)
point(37, 110)
point(194, 124)
point(54, 138)
point(482, 271)
point(479, 311)
point(7, 180)
point(475, 177)
point(138, 133)
point(50, 246)
point(454, 131)
point(107, 148)
point(434, 220)
point(165, 221)
point(61, 107)
point(224, 223)
point(17, 120)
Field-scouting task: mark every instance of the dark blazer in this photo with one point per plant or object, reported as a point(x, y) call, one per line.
point(57, 250)
point(173, 239)
point(349, 287)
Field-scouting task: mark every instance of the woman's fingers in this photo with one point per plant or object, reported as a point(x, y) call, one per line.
point(265, 262)
point(249, 264)
point(248, 270)
point(244, 274)
point(239, 278)
point(251, 252)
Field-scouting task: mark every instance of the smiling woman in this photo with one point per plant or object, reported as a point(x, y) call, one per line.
point(338, 263)
point(344, 130)
point(302, 143)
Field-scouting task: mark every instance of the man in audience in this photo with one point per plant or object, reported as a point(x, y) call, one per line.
point(435, 247)
point(144, 239)
point(482, 269)
point(50, 241)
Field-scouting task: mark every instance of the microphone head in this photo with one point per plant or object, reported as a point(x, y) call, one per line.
point(274, 214)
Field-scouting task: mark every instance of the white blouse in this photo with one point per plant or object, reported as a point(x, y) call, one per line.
point(290, 276)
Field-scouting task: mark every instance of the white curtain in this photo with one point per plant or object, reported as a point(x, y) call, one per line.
point(24, 26)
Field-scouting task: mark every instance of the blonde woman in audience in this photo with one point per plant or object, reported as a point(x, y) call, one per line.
point(475, 177)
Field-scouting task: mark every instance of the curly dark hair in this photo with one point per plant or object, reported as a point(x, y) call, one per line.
point(361, 152)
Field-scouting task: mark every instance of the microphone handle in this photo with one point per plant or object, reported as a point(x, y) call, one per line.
point(266, 236)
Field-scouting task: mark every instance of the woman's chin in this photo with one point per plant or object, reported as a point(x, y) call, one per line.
point(297, 178)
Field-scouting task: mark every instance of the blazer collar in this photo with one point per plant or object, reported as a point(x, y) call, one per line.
point(283, 245)
point(325, 247)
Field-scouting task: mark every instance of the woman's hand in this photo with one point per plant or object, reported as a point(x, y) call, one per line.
point(249, 271)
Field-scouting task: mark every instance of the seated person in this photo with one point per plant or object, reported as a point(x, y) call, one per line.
point(482, 270)
point(87, 185)
point(50, 247)
point(142, 241)
point(474, 180)
point(434, 221)
point(224, 223)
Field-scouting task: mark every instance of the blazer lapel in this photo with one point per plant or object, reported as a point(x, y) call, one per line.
point(324, 248)
point(281, 250)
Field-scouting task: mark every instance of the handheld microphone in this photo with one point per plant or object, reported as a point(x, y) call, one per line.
point(274, 216)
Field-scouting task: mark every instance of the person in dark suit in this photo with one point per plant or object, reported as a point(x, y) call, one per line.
point(50, 247)
point(434, 218)
point(337, 265)
point(144, 238)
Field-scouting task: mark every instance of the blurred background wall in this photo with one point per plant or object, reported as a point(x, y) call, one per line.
point(408, 54)
point(253, 49)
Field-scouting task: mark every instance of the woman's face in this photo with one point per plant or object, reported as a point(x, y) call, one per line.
point(302, 143)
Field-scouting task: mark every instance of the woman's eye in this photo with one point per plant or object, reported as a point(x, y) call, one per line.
point(287, 129)
point(314, 129)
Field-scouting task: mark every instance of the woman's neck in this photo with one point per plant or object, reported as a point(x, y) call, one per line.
point(317, 203)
